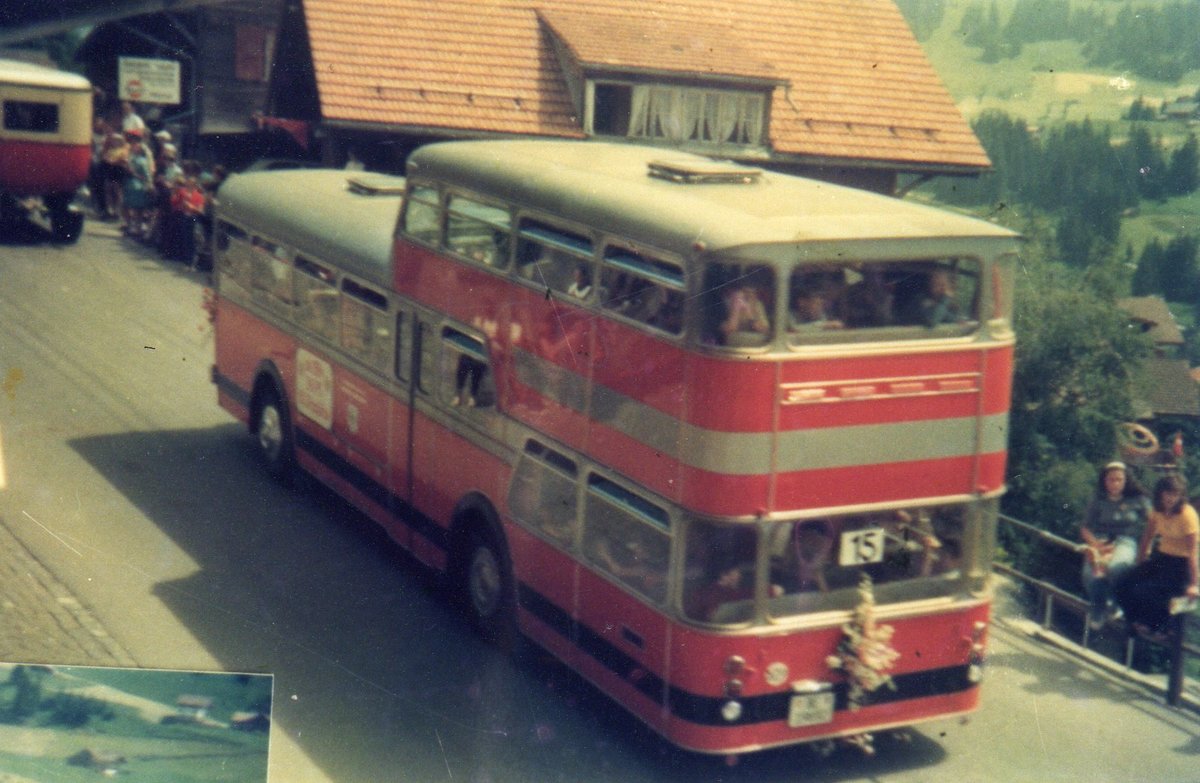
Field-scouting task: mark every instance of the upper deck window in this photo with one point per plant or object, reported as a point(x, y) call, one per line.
point(478, 231)
point(739, 305)
point(644, 288)
point(553, 258)
point(422, 214)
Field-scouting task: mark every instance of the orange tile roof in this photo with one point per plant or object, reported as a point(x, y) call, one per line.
point(854, 82)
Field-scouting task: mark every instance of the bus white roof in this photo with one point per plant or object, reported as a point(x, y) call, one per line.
point(608, 185)
point(328, 214)
point(30, 74)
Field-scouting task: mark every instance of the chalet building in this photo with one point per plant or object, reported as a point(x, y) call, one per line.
point(1167, 387)
point(840, 91)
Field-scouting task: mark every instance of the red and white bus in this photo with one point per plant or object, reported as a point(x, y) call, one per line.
point(729, 443)
point(45, 142)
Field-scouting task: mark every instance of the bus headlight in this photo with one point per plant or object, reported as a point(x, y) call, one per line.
point(731, 710)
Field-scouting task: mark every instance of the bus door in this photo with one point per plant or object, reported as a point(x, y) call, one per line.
point(454, 429)
point(622, 594)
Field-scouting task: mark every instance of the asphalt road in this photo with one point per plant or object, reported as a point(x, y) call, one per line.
point(127, 481)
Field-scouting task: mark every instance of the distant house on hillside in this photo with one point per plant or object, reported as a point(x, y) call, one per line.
point(98, 760)
point(839, 91)
point(1166, 387)
point(1181, 109)
point(195, 707)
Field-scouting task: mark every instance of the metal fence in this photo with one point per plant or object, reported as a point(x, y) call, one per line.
point(1051, 598)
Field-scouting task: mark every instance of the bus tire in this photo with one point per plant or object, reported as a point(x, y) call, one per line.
point(487, 587)
point(273, 434)
point(66, 222)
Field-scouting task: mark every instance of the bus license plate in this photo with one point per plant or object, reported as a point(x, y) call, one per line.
point(859, 547)
point(809, 709)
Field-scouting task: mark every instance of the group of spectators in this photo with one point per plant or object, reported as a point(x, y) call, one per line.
point(138, 179)
point(1141, 552)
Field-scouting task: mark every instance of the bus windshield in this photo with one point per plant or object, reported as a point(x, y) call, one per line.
point(815, 565)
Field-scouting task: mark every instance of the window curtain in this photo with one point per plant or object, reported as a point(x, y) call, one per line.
point(639, 112)
point(721, 117)
point(751, 111)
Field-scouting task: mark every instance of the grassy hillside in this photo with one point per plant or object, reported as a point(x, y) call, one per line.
point(1050, 83)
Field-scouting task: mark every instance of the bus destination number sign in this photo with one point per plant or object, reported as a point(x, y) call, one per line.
point(860, 547)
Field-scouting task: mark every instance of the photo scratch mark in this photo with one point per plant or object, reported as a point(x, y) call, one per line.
point(51, 532)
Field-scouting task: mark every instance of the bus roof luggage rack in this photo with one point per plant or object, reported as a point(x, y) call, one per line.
point(376, 185)
point(703, 171)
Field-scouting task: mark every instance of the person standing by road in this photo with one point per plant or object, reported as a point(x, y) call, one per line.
point(1171, 570)
point(1110, 529)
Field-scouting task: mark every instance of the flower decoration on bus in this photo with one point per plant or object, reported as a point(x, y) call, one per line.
point(865, 654)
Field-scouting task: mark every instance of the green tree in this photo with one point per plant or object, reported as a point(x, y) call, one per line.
point(1183, 172)
point(1147, 279)
point(28, 698)
point(1075, 364)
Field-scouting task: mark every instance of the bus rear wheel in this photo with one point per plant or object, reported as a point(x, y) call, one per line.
point(273, 437)
point(487, 589)
point(66, 222)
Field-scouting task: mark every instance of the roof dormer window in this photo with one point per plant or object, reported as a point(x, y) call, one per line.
point(675, 113)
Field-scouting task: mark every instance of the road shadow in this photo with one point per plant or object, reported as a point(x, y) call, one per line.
point(292, 581)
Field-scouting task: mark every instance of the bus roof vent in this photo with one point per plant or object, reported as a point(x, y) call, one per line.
point(703, 171)
point(376, 185)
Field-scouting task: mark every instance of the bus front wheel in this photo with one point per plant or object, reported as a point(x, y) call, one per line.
point(274, 437)
point(488, 589)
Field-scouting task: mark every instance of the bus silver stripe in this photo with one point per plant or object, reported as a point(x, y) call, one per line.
point(747, 454)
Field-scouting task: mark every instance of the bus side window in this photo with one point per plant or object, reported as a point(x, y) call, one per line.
point(404, 355)
point(366, 326)
point(739, 305)
point(317, 298)
point(478, 232)
point(426, 348)
point(422, 214)
point(543, 494)
point(270, 273)
point(233, 256)
point(626, 536)
point(550, 256)
point(647, 290)
point(719, 572)
point(467, 370)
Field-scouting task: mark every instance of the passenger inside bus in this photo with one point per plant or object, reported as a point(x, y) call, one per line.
point(581, 284)
point(746, 323)
point(631, 561)
point(723, 597)
point(931, 302)
point(719, 572)
point(810, 310)
point(468, 377)
point(868, 302)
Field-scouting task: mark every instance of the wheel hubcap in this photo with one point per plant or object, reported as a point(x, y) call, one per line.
point(485, 582)
point(270, 432)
